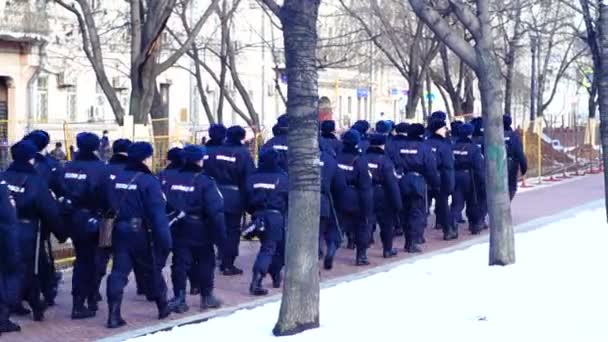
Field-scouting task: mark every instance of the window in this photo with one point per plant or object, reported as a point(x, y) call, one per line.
point(349, 105)
point(42, 99)
point(71, 104)
point(100, 104)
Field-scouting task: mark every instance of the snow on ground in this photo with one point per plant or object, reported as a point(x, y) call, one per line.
point(557, 291)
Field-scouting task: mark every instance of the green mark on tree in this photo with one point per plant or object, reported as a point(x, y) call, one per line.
point(496, 154)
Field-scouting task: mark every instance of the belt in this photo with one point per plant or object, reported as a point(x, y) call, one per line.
point(194, 217)
point(229, 187)
point(25, 221)
point(269, 211)
point(414, 173)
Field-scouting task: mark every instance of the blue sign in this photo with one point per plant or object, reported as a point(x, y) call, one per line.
point(362, 92)
point(394, 92)
point(284, 77)
point(430, 96)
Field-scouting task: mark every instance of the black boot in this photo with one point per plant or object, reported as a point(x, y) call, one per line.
point(256, 288)
point(210, 302)
point(475, 228)
point(232, 270)
point(195, 291)
point(421, 240)
point(350, 244)
point(438, 226)
point(398, 231)
point(412, 247)
point(328, 263)
point(79, 311)
point(362, 257)
point(276, 280)
point(178, 303)
point(6, 326)
point(20, 310)
point(389, 253)
point(450, 233)
point(38, 310)
point(92, 303)
point(164, 310)
point(114, 318)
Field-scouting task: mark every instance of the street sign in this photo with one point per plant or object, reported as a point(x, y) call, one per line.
point(362, 92)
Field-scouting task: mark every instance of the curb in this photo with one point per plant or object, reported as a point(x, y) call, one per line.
point(202, 317)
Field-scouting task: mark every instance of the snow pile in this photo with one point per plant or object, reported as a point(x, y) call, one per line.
point(555, 292)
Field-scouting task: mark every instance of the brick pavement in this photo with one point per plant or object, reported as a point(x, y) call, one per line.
point(234, 290)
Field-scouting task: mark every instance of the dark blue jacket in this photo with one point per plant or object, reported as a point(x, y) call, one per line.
point(279, 144)
point(52, 172)
point(35, 203)
point(468, 157)
point(357, 199)
point(196, 194)
point(387, 198)
point(392, 150)
point(267, 200)
point(442, 149)
point(230, 165)
point(478, 140)
point(333, 184)
point(363, 144)
point(170, 170)
point(9, 243)
point(330, 141)
point(515, 152)
point(143, 199)
point(415, 156)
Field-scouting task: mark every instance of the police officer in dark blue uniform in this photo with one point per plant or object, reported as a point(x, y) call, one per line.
point(481, 189)
point(279, 141)
point(230, 165)
point(176, 162)
point(356, 203)
point(116, 164)
point(392, 150)
point(52, 172)
point(84, 177)
point(217, 136)
point(267, 194)
point(328, 136)
point(516, 159)
point(333, 185)
point(141, 233)
point(387, 196)
point(442, 149)
point(454, 130)
point(362, 126)
point(36, 208)
point(9, 257)
point(469, 175)
point(200, 223)
point(420, 174)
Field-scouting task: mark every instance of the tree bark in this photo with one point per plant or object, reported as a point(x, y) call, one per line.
point(300, 301)
point(602, 72)
point(502, 241)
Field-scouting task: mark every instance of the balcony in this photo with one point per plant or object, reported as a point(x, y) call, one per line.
point(24, 21)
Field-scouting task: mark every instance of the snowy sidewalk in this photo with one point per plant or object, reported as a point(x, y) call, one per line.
point(555, 292)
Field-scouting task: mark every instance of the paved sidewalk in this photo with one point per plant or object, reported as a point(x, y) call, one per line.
point(139, 313)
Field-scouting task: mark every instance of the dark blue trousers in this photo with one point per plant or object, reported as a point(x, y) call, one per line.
point(199, 261)
point(465, 194)
point(233, 238)
point(413, 190)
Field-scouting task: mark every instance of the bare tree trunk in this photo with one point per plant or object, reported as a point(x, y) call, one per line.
point(502, 242)
point(601, 72)
point(300, 302)
point(412, 98)
point(510, 64)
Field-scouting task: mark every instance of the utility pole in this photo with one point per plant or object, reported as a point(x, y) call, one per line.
point(533, 86)
point(263, 78)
